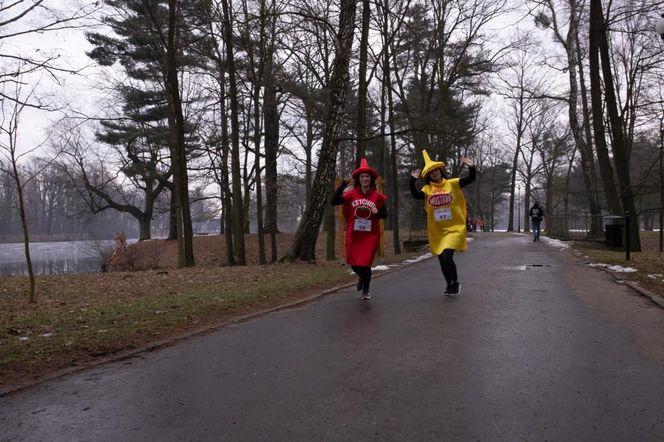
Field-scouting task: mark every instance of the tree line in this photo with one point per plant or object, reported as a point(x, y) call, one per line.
point(261, 104)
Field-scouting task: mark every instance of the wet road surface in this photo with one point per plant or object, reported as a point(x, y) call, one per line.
point(537, 347)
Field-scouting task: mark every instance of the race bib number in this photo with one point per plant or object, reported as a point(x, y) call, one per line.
point(362, 225)
point(442, 214)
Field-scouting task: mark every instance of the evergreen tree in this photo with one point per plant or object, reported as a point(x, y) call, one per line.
point(152, 42)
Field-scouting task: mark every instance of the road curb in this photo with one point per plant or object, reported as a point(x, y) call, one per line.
point(129, 354)
point(620, 279)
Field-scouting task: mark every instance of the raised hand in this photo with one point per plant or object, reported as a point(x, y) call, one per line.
point(467, 161)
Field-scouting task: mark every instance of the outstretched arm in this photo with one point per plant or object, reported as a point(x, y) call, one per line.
point(337, 198)
point(415, 193)
point(471, 169)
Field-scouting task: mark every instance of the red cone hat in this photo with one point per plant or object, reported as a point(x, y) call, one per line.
point(364, 168)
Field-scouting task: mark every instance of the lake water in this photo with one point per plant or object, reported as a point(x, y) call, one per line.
point(50, 258)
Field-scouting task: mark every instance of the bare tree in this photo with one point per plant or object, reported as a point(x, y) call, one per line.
point(304, 244)
point(24, 18)
point(550, 17)
point(522, 86)
point(238, 222)
point(599, 43)
point(134, 188)
point(10, 123)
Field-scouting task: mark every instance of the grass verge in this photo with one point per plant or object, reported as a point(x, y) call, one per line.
point(82, 317)
point(649, 263)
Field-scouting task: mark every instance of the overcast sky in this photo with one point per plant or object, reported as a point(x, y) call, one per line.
point(78, 90)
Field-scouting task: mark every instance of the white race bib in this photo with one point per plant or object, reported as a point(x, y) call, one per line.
point(362, 225)
point(442, 214)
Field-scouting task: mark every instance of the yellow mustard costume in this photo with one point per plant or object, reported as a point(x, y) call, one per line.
point(445, 205)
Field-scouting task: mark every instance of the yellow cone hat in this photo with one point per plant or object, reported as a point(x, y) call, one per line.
point(430, 165)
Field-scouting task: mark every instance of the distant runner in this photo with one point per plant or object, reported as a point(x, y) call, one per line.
point(536, 215)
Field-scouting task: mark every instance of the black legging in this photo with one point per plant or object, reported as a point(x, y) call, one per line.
point(447, 265)
point(365, 275)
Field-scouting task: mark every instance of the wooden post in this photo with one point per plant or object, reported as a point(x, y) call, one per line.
point(381, 244)
point(341, 232)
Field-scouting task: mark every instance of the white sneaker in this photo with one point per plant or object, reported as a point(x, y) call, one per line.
point(366, 296)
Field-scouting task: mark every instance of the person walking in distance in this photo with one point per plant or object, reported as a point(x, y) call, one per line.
point(536, 215)
point(445, 206)
point(363, 207)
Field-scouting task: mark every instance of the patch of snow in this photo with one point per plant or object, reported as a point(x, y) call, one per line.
point(419, 258)
point(614, 268)
point(555, 242)
point(380, 268)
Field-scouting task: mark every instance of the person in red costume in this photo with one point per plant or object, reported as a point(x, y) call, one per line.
point(363, 206)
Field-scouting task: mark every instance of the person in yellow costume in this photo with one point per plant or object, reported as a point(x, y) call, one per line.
point(445, 205)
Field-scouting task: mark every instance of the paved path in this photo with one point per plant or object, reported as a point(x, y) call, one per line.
point(537, 347)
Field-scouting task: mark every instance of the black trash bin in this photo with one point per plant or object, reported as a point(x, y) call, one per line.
point(613, 230)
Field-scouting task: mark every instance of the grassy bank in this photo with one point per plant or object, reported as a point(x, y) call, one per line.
point(80, 318)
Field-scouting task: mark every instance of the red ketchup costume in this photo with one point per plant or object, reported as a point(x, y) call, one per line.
point(362, 226)
point(362, 211)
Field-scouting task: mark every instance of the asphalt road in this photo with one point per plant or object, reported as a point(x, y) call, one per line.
point(537, 347)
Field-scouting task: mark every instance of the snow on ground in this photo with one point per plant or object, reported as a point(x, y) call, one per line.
point(555, 242)
point(613, 268)
point(419, 258)
point(656, 276)
point(380, 268)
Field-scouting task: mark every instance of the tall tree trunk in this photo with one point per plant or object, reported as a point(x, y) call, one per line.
point(304, 244)
point(596, 220)
point(144, 227)
point(173, 217)
point(621, 155)
point(259, 184)
point(308, 162)
point(583, 145)
point(271, 122)
point(238, 221)
point(515, 162)
point(178, 148)
point(257, 74)
point(24, 225)
point(387, 88)
point(362, 86)
point(605, 168)
point(329, 225)
point(225, 181)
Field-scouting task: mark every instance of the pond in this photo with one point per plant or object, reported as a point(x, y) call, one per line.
point(50, 258)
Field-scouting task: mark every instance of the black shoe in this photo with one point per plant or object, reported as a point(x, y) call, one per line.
point(360, 285)
point(454, 288)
